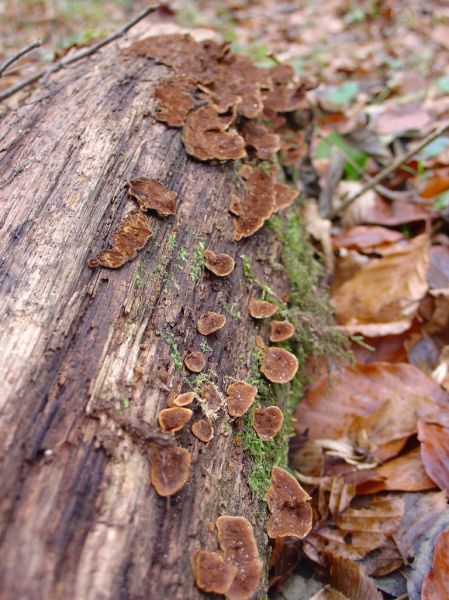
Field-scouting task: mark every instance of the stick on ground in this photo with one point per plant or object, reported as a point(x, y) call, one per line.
point(10, 61)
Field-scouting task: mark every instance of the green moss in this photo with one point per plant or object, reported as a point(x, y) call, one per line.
point(197, 265)
point(175, 355)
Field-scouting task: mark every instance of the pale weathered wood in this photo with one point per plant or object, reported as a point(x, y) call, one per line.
point(80, 356)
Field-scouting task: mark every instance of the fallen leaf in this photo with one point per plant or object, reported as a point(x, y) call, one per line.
point(436, 584)
point(366, 239)
point(399, 120)
point(384, 212)
point(435, 452)
point(320, 230)
point(328, 593)
point(383, 560)
point(350, 579)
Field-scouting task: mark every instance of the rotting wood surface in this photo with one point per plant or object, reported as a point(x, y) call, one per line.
point(84, 372)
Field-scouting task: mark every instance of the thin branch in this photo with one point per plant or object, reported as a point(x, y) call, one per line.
point(79, 55)
point(390, 169)
point(9, 61)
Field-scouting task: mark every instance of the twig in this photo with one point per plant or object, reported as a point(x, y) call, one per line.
point(79, 55)
point(9, 61)
point(390, 169)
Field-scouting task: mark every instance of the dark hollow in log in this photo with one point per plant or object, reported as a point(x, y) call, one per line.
point(84, 359)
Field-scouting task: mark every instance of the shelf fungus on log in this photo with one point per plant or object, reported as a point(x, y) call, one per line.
point(170, 469)
point(237, 541)
point(174, 101)
point(288, 503)
point(131, 236)
point(220, 265)
point(262, 139)
point(211, 395)
point(281, 331)
point(173, 419)
point(152, 195)
point(267, 422)
point(195, 361)
point(210, 322)
point(203, 430)
point(261, 309)
point(278, 365)
point(212, 574)
point(240, 398)
point(184, 399)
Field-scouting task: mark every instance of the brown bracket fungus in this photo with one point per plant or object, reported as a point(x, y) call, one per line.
point(284, 196)
point(152, 195)
point(211, 395)
point(174, 101)
point(203, 430)
point(170, 469)
point(184, 399)
point(241, 396)
point(131, 236)
point(281, 331)
point(220, 265)
point(237, 541)
point(210, 322)
point(278, 365)
point(212, 574)
point(267, 422)
point(262, 139)
point(173, 419)
point(195, 361)
point(261, 309)
point(288, 503)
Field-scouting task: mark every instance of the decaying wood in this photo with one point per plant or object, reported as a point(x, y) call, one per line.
point(84, 364)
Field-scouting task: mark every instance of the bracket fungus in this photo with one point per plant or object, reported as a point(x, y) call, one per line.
point(237, 541)
point(184, 399)
point(211, 395)
point(131, 236)
point(174, 101)
point(267, 422)
point(220, 265)
point(152, 195)
point(240, 397)
point(281, 331)
point(173, 419)
point(284, 196)
point(212, 574)
point(195, 361)
point(210, 322)
point(288, 503)
point(261, 309)
point(278, 365)
point(170, 469)
point(262, 139)
point(203, 430)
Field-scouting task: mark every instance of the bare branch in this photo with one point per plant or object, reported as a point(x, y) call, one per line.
point(9, 61)
point(79, 55)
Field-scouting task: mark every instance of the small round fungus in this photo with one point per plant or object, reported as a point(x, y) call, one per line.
point(220, 264)
point(288, 503)
point(170, 469)
point(152, 195)
point(261, 309)
point(212, 574)
point(281, 330)
point(278, 365)
point(267, 422)
point(211, 394)
point(203, 430)
point(184, 399)
point(210, 322)
point(173, 419)
point(195, 361)
point(241, 395)
point(237, 541)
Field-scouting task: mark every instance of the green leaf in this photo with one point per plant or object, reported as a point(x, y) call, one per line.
point(344, 94)
point(436, 147)
point(443, 84)
point(442, 201)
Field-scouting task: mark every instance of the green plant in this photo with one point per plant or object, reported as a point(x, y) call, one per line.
point(197, 265)
point(175, 355)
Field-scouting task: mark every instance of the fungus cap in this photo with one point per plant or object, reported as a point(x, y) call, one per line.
point(210, 322)
point(195, 361)
point(288, 503)
point(267, 422)
point(281, 330)
point(262, 139)
point(278, 365)
point(212, 574)
point(184, 399)
point(261, 309)
point(203, 430)
point(241, 396)
point(173, 419)
point(211, 394)
point(174, 101)
point(220, 264)
point(170, 469)
point(152, 195)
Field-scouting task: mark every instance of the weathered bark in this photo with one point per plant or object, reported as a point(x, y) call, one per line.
point(84, 372)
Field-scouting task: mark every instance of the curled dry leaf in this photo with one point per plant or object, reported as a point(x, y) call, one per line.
point(174, 101)
point(435, 452)
point(350, 579)
point(173, 419)
point(267, 422)
point(281, 331)
point(220, 265)
point(237, 541)
point(288, 503)
point(195, 361)
point(240, 398)
point(278, 365)
point(131, 236)
point(210, 322)
point(320, 230)
point(436, 584)
point(261, 309)
point(328, 593)
point(203, 430)
point(382, 298)
point(170, 469)
point(152, 195)
point(212, 574)
point(367, 239)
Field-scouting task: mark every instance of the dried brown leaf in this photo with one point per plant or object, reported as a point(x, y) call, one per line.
point(436, 584)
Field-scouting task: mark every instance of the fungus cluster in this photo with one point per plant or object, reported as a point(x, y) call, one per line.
point(151, 195)
point(240, 398)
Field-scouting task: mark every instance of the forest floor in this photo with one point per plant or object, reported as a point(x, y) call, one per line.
point(374, 453)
